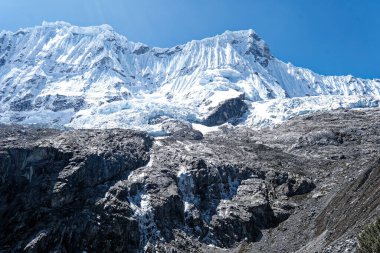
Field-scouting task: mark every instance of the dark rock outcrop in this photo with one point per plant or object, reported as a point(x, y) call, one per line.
point(52, 185)
point(230, 110)
point(141, 50)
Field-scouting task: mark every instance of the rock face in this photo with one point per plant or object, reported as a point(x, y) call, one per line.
point(230, 110)
point(351, 208)
point(344, 146)
point(53, 187)
point(309, 185)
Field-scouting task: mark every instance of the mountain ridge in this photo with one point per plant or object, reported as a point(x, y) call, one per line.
point(94, 77)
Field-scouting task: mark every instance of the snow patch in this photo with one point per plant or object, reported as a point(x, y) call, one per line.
point(186, 187)
point(276, 111)
point(205, 129)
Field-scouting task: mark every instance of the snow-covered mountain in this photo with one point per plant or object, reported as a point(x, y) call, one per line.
point(92, 77)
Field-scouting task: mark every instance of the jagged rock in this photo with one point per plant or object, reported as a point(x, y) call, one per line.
point(141, 50)
point(53, 183)
point(230, 110)
point(95, 190)
point(231, 191)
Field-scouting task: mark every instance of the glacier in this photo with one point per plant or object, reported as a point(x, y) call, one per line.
point(58, 74)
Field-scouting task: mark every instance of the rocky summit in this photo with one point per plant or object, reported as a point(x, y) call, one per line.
point(308, 185)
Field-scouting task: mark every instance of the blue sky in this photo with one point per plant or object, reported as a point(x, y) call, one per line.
point(328, 36)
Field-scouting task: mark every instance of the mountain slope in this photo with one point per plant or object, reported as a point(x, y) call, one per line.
point(93, 77)
point(309, 185)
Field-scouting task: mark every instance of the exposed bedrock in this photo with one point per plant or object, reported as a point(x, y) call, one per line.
point(309, 185)
point(53, 183)
point(230, 110)
point(111, 190)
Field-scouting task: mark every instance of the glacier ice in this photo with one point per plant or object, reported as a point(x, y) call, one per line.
point(92, 77)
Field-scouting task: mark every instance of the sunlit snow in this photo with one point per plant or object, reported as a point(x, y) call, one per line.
point(92, 77)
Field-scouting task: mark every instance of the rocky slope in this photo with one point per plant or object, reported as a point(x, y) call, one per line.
point(308, 185)
point(92, 77)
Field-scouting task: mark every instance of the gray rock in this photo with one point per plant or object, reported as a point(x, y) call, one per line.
point(141, 50)
point(179, 129)
point(53, 184)
point(230, 110)
point(274, 190)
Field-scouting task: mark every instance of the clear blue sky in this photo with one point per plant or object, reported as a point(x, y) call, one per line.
point(328, 36)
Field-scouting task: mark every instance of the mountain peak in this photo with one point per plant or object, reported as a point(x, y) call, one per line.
point(252, 43)
point(63, 24)
point(56, 24)
point(239, 33)
point(235, 36)
point(94, 77)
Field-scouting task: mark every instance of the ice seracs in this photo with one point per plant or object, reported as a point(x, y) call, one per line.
point(93, 77)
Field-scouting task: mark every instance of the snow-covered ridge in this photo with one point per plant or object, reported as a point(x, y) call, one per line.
point(94, 77)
